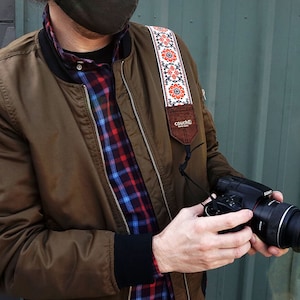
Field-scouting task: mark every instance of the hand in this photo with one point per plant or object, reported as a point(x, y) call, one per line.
point(192, 244)
point(257, 245)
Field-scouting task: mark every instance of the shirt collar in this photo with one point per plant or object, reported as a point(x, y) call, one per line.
point(71, 60)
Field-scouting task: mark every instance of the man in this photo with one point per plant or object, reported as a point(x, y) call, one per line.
point(92, 202)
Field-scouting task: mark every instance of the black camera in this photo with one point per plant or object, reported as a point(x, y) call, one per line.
point(274, 222)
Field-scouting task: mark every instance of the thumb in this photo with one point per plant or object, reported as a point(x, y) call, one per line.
point(197, 210)
point(203, 203)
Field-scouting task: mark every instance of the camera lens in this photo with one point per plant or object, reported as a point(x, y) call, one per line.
point(289, 229)
point(277, 224)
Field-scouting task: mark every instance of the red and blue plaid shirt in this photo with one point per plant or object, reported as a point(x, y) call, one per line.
point(121, 166)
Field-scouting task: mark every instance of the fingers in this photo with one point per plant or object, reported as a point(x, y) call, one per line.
point(194, 211)
point(277, 196)
point(233, 240)
point(259, 246)
point(228, 221)
point(216, 258)
point(274, 251)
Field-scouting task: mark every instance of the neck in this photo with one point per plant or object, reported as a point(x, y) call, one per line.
point(72, 36)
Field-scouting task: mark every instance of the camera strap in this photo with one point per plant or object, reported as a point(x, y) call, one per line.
point(176, 91)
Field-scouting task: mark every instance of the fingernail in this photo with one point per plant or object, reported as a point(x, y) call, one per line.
point(275, 251)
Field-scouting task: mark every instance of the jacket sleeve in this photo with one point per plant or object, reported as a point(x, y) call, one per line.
point(37, 261)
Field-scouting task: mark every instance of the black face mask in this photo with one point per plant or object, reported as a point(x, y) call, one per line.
point(102, 16)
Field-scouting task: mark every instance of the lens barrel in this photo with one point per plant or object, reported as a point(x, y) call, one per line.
point(277, 224)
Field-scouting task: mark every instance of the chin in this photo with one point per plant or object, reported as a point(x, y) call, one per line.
point(87, 33)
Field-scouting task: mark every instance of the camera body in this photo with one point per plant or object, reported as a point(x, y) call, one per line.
point(274, 222)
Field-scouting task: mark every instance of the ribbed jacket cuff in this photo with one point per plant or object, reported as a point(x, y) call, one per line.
point(133, 260)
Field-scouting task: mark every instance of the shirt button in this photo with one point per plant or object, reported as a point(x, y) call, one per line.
point(79, 67)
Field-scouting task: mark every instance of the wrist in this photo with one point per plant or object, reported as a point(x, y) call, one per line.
point(160, 255)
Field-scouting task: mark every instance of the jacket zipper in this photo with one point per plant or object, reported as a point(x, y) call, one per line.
point(146, 141)
point(103, 160)
point(105, 172)
point(151, 157)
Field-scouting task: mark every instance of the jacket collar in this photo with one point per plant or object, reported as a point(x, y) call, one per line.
point(56, 65)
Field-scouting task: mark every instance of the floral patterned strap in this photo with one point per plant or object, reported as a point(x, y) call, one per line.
point(173, 76)
point(175, 86)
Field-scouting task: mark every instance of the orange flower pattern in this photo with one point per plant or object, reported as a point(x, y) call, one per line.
point(177, 91)
point(169, 55)
point(173, 76)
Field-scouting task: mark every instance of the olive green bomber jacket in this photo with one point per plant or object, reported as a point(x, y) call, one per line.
point(58, 214)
